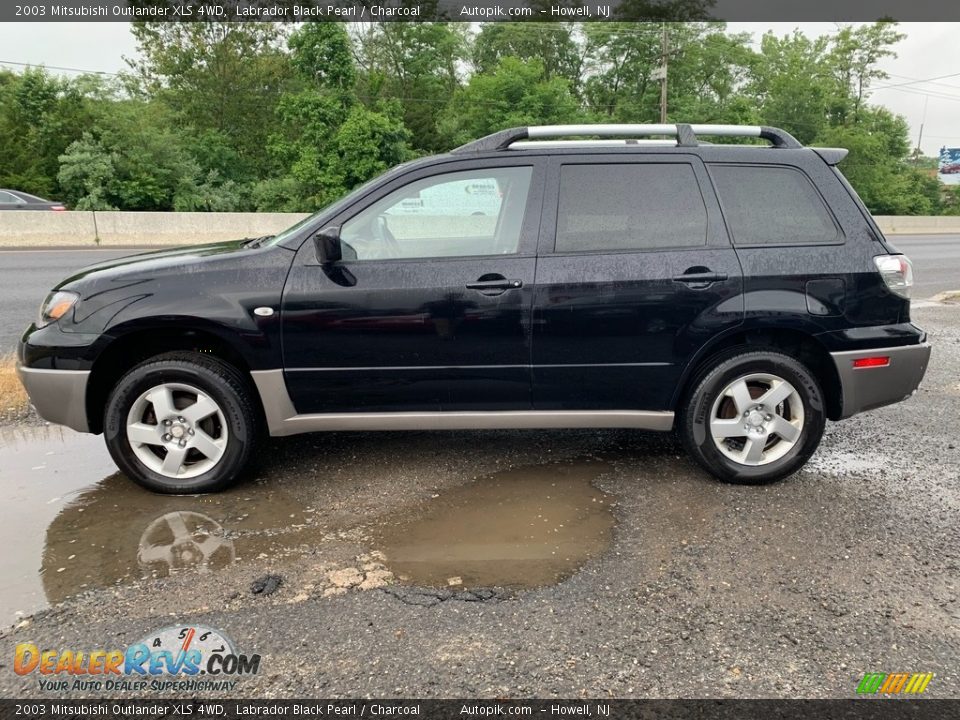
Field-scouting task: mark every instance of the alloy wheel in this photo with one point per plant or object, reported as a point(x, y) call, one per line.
point(757, 419)
point(177, 430)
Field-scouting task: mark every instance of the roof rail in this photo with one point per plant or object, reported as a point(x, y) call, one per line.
point(685, 134)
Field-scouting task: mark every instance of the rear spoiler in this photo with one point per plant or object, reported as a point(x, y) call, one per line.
point(831, 156)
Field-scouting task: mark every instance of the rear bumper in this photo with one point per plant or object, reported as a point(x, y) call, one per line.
point(872, 387)
point(59, 396)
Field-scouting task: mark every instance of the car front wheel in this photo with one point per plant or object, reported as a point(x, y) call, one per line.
point(755, 417)
point(181, 423)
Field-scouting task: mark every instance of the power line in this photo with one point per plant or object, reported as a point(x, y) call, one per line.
point(57, 67)
point(914, 91)
point(928, 82)
point(914, 82)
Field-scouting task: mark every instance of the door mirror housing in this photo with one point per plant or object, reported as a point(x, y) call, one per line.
point(327, 243)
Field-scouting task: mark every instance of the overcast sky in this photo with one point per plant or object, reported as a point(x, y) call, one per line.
point(929, 52)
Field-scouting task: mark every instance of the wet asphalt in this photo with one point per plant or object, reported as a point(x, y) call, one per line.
point(512, 564)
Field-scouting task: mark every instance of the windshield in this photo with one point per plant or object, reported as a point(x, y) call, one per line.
point(335, 206)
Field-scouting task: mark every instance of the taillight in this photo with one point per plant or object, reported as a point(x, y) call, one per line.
point(872, 362)
point(57, 208)
point(897, 273)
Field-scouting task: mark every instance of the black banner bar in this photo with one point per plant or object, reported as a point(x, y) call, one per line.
point(476, 10)
point(598, 709)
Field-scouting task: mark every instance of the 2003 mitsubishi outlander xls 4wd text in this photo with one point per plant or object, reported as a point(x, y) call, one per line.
point(740, 294)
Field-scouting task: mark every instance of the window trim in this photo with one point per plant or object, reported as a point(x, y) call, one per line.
point(714, 238)
point(839, 239)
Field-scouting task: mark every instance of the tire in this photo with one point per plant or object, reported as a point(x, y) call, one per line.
point(181, 423)
point(736, 436)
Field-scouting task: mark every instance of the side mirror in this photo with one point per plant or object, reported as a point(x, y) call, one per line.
point(327, 243)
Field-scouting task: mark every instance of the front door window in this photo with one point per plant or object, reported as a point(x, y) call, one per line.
point(463, 214)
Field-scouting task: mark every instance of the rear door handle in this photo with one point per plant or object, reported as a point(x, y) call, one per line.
point(500, 284)
point(700, 278)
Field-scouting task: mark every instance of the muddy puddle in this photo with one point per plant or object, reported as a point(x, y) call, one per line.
point(72, 523)
point(521, 528)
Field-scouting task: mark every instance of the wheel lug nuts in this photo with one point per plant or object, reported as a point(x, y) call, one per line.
point(180, 419)
point(190, 431)
point(182, 443)
point(167, 422)
point(166, 438)
point(769, 417)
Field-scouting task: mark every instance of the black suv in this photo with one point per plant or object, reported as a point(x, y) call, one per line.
point(739, 294)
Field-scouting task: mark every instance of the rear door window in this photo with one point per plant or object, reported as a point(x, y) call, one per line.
point(629, 206)
point(766, 205)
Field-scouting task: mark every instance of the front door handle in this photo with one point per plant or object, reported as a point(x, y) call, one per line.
point(700, 278)
point(499, 284)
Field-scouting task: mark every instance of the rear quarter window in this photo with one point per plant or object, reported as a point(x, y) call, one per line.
point(766, 205)
point(629, 206)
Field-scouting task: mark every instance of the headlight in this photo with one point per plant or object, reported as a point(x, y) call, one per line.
point(56, 306)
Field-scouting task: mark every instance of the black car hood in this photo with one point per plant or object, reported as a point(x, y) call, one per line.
point(145, 265)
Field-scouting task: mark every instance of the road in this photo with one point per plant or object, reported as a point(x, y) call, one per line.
point(27, 275)
point(936, 261)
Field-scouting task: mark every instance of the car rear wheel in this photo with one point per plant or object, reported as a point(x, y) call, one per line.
point(181, 423)
point(755, 417)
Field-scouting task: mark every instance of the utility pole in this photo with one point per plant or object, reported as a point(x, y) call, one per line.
point(918, 151)
point(664, 45)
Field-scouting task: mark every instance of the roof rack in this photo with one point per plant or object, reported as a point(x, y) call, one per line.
point(686, 135)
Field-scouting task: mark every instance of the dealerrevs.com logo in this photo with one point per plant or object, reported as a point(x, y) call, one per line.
point(190, 658)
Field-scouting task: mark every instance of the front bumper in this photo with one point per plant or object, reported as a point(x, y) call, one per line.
point(59, 396)
point(872, 387)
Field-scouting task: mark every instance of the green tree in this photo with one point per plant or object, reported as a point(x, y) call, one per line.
point(222, 76)
point(40, 115)
point(792, 84)
point(86, 170)
point(325, 142)
point(227, 116)
point(515, 93)
point(366, 145)
point(853, 61)
point(877, 165)
point(707, 71)
point(619, 83)
point(416, 64)
point(553, 44)
point(322, 54)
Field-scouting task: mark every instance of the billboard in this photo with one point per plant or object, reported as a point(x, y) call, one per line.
point(948, 172)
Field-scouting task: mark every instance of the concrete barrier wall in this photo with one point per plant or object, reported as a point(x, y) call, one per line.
point(145, 229)
point(150, 228)
point(134, 229)
point(919, 224)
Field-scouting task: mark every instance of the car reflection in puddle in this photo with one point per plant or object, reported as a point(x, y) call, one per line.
point(525, 527)
point(184, 539)
point(116, 532)
point(106, 531)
